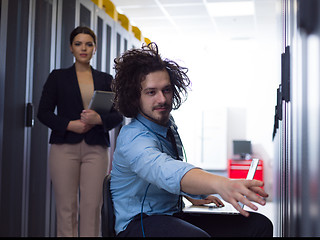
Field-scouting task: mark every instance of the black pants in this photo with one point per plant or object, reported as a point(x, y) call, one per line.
point(200, 225)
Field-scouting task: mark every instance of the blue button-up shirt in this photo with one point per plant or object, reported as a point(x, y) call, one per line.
point(144, 155)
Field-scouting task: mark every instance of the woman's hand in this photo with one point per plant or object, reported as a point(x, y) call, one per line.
point(90, 117)
point(78, 126)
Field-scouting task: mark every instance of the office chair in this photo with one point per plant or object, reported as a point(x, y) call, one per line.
point(107, 214)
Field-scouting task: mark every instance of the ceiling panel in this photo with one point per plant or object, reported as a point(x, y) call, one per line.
point(144, 12)
point(198, 22)
point(154, 22)
point(181, 2)
point(121, 3)
point(162, 17)
point(190, 11)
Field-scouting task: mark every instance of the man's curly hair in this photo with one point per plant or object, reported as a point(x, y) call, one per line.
point(131, 69)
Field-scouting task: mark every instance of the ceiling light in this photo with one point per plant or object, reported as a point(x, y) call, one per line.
point(225, 9)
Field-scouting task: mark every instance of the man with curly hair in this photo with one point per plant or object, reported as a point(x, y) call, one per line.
point(149, 175)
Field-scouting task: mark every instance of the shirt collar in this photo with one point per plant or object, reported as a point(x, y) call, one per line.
point(156, 128)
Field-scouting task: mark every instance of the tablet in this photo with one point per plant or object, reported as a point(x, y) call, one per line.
point(101, 101)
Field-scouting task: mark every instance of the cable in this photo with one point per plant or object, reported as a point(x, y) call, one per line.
point(185, 155)
point(145, 194)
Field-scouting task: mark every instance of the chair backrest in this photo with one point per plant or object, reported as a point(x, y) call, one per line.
point(107, 214)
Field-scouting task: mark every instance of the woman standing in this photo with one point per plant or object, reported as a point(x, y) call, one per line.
point(79, 139)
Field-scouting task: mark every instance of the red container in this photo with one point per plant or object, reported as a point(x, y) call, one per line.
point(238, 169)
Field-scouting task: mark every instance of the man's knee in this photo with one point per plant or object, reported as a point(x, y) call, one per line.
point(169, 226)
point(263, 225)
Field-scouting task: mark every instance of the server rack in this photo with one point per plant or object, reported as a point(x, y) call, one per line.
point(34, 37)
point(296, 138)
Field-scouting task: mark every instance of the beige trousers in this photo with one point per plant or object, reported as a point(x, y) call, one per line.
point(77, 172)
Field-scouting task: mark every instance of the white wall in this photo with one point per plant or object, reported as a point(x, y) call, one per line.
point(236, 75)
point(232, 75)
point(238, 78)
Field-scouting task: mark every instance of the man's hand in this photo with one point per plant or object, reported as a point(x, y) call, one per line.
point(207, 200)
point(244, 191)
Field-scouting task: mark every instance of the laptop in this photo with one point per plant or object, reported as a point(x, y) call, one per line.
point(227, 208)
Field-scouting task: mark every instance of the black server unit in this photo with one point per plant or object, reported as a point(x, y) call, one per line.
point(297, 122)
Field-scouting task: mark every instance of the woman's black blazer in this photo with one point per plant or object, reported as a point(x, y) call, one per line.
point(61, 92)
